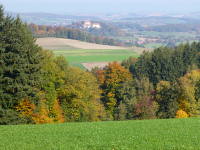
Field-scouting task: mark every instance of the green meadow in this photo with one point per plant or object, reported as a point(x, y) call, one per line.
point(77, 56)
point(172, 134)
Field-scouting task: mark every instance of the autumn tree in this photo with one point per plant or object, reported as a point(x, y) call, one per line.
point(54, 70)
point(189, 99)
point(146, 106)
point(80, 97)
point(111, 79)
point(167, 95)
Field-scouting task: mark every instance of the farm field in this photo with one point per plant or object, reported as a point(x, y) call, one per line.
point(172, 134)
point(61, 43)
point(78, 57)
point(78, 53)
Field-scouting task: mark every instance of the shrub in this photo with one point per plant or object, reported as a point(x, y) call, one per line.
point(11, 117)
point(181, 114)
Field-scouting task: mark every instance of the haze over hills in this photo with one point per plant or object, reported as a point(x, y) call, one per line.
point(68, 18)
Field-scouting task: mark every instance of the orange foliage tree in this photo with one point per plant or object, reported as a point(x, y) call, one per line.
point(111, 79)
point(181, 114)
point(45, 114)
point(25, 108)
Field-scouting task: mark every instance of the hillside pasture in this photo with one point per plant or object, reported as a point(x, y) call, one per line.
point(172, 134)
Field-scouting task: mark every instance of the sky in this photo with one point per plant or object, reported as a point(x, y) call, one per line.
point(102, 6)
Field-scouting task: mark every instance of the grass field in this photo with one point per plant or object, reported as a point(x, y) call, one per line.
point(174, 134)
point(77, 57)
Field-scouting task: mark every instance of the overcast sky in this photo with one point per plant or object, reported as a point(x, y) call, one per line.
point(102, 6)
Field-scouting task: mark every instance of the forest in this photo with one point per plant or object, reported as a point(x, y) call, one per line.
point(72, 33)
point(38, 87)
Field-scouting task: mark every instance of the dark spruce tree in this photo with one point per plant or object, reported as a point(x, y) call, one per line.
point(166, 63)
point(20, 67)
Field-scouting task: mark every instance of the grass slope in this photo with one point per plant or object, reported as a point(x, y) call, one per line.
point(174, 134)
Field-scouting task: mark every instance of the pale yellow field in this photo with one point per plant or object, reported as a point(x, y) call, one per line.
point(50, 43)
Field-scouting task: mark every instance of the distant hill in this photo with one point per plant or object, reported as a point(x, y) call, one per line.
point(52, 19)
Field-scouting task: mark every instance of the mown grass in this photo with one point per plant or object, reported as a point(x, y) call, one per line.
point(174, 134)
point(76, 57)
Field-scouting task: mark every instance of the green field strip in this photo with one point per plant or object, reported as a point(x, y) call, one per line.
point(170, 134)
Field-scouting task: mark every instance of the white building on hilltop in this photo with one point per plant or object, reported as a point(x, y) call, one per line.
point(89, 24)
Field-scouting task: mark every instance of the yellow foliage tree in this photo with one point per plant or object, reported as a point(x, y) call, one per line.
point(181, 114)
point(167, 94)
point(48, 115)
point(57, 113)
point(188, 100)
point(42, 116)
point(80, 96)
point(25, 108)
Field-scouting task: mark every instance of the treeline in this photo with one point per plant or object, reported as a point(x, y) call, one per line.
point(163, 84)
point(175, 28)
point(37, 87)
point(71, 33)
point(184, 27)
point(174, 75)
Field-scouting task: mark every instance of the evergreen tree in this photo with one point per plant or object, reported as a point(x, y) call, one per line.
point(166, 63)
point(20, 67)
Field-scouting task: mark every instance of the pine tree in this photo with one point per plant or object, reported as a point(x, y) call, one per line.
point(20, 66)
